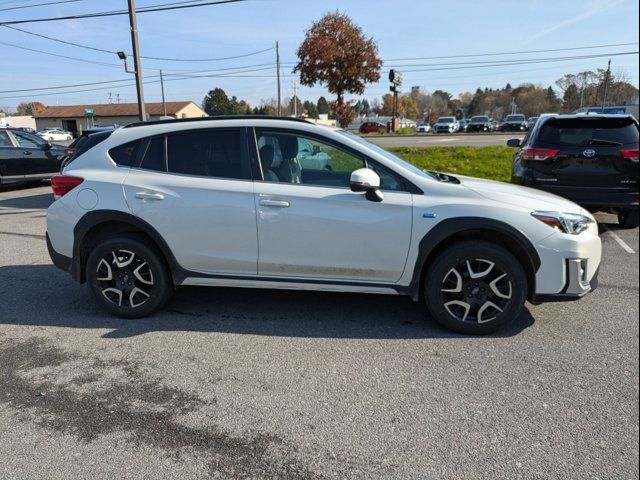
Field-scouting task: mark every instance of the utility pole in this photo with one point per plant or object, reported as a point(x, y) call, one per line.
point(164, 105)
point(606, 81)
point(278, 75)
point(295, 99)
point(136, 59)
point(584, 79)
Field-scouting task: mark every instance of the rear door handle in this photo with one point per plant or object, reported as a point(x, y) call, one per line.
point(274, 203)
point(149, 196)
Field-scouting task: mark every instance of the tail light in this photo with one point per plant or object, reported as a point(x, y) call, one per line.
point(69, 151)
point(630, 153)
point(63, 184)
point(539, 154)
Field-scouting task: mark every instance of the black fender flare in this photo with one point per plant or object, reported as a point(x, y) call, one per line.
point(97, 217)
point(459, 225)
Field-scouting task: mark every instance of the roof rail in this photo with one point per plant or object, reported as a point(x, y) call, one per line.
point(216, 117)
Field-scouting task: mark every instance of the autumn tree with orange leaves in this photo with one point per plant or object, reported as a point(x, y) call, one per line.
point(337, 54)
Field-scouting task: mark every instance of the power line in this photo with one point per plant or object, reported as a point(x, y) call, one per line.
point(177, 6)
point(510, 53)
point(38, 5)
point(114, 65)
point(521, 62)
point(87, 47)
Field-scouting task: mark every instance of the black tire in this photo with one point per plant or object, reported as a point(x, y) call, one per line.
point(146, 265)
point(504, 285)
point(628, 218)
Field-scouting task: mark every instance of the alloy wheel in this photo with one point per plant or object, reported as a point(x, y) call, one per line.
point(125, 278)
point(476, 291)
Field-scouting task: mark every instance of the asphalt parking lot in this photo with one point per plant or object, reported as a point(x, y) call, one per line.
point(272, 384)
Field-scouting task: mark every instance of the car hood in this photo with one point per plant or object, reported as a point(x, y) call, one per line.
point(519, 196)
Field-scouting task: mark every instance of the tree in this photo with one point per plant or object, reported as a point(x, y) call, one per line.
point(29, 108)
point(310, 108)
point(344, 113)
point(336, 53)
point(295, 108)
point(217, 103)
point(323, 106)
point(571, 98)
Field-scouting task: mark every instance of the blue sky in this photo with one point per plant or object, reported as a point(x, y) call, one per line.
point(417, 28)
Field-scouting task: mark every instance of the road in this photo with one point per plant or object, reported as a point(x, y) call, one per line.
point(238, 383)
point(444, 140)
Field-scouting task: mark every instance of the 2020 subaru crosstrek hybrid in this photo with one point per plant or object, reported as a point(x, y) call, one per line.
point(228, 202)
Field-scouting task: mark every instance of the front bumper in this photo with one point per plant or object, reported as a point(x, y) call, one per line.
point(577, 286)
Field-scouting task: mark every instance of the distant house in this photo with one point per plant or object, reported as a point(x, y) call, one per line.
point(73, 117)
point(17, 121)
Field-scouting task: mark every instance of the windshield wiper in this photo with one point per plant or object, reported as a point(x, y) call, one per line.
point(598, 141)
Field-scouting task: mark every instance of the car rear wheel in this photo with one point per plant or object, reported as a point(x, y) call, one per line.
point(475, 287)
point(628, 218)
point(128, 277)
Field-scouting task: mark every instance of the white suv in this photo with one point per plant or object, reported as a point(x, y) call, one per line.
point(228, 202)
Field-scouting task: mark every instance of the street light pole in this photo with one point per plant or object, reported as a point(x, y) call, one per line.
point(136, 59)
point(606, 82)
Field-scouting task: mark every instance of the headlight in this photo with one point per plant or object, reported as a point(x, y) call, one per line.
point(571, 223)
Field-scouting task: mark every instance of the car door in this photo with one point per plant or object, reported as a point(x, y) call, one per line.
point(38, 159)
point(195, 188)
point(311, 225)
point(11, 164)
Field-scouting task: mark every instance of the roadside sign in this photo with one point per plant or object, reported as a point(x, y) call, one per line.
point(88, 112)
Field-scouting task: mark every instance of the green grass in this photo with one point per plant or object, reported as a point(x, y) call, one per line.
point(493, 162)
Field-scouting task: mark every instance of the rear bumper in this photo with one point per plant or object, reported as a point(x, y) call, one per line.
point(592, 198)
point(61, 261)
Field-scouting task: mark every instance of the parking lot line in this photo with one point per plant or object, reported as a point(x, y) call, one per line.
point(621, 242)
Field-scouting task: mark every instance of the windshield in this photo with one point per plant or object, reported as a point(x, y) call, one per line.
point(445, 120)
point(388, 155)
point(515, 118)
point(479, 119)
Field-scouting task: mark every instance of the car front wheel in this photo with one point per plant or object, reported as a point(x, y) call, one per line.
point(128, 277)
point(475, 287)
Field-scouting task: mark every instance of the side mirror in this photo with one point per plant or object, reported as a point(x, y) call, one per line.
point(47, 146)
point(316, 149)
point(368, 181)
point(514, 142)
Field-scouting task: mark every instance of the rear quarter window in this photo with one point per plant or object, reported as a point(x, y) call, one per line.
point(125, 155)
point(588, 131)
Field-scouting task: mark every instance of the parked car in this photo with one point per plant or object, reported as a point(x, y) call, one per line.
point(55, 135)
point(496, 126)
point(479, 123)
point(463, 124)
point(446, 124)
point(27, 129)
point(74, 146)
point(514, 123)
point(27, 158)
point(423, 127)
point(196, 202)
point(531, 121)
point(591, 160)
point(372, 127)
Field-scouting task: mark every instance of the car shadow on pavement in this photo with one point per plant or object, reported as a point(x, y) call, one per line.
point(41, 295)
point(40, 201)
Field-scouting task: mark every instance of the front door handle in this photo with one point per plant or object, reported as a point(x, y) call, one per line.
point(149, 196)
point(26, 152)
point(274, 203)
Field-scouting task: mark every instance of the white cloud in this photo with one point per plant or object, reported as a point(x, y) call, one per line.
point(594, 8)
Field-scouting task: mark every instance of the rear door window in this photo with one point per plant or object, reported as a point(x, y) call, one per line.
point(207, 153)
point(584, 132)
point(154, 156)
